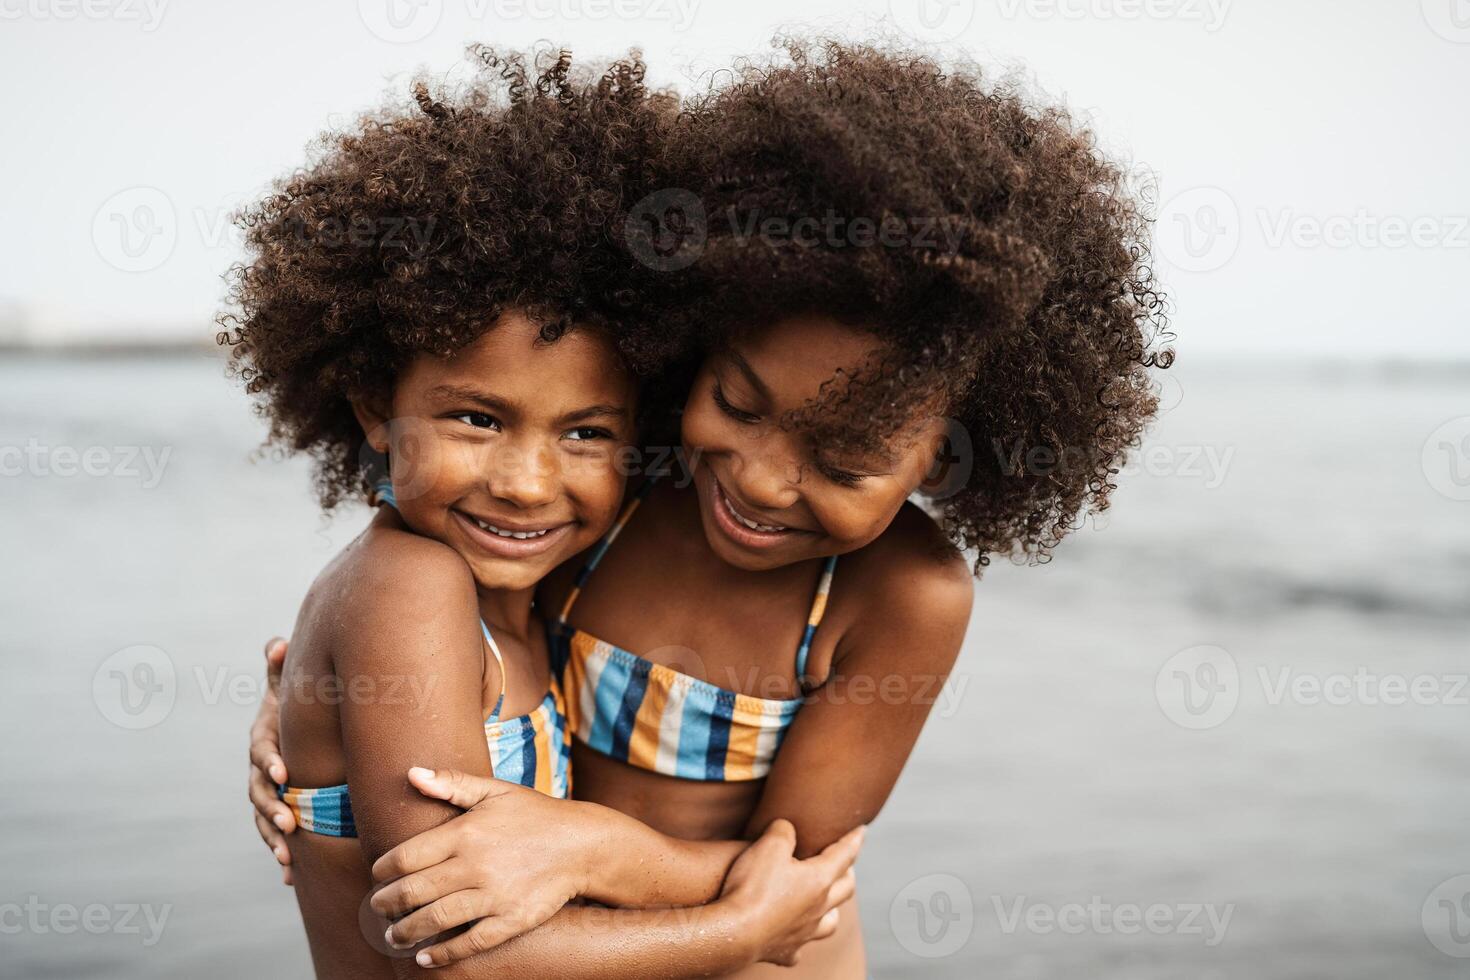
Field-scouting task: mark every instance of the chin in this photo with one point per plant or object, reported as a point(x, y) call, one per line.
point(509, 576)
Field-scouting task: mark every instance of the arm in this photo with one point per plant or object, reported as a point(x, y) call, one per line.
point(413, 619)
point(769, 906)
point(766, 885)
point(617, 859)
point(848, 744)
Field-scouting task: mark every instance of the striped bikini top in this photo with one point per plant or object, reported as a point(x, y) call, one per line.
point(534, 749)
point(654, 717)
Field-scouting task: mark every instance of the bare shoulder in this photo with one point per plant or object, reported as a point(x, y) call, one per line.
point(911, 575)
point(392, 592)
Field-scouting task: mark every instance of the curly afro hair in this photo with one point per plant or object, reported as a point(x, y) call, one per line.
point(1003, 260)
point(413, 231)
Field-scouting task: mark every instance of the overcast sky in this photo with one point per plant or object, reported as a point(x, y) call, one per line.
point(1313, 155)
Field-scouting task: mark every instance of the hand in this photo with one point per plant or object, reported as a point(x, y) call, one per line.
point(512, 861)
point(791, 902)
point(273, 818)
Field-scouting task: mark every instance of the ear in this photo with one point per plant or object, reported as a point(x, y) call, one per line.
point(373, 417)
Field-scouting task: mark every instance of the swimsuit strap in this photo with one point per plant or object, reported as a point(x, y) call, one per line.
point(814, 617)
point(495, 715)
point(601, 547)
point(383, 494)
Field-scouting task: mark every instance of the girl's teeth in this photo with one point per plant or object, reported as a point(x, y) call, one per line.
point(767, 528)
point(518, 535)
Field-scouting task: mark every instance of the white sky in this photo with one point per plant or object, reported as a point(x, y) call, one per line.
point(1326, 141)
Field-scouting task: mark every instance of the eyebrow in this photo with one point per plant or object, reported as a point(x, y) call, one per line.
point(466, 393)
point(487, 400)
point(743, 366)
point(593, 412)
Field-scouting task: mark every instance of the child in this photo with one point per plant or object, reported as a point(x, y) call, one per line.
point(440, 294)
point(893, 258)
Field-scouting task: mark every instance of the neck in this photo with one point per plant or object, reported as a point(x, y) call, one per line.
point(508, 611)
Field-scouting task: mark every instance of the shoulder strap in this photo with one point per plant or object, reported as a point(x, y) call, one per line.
point(814, 618)
point(601, 547)
point(383, 493)
point(495, 715)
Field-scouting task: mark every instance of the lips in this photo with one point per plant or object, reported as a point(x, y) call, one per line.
point(742, 529)
point(506, 540)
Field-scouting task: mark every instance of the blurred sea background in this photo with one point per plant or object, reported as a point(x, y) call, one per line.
point(1284, 513)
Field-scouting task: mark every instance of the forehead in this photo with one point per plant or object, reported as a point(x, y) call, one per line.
point(796, 356)
point(580, 367)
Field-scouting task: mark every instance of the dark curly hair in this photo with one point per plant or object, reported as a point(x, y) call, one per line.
point(413, 231)
point(1013, 289)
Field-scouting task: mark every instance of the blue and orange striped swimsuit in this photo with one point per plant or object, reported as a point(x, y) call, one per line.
point(534, 749)
point(654, 717)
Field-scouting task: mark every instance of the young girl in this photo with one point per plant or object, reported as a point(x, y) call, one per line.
point(439, 294)
point(894, 261)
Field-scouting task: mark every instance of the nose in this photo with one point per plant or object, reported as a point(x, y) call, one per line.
point(525, 476)
point(767, 479)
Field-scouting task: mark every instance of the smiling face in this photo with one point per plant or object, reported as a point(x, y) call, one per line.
point(507, 451)
point(772, 495)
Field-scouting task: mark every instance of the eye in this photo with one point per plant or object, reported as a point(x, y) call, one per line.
point(587, 433)
point(841, 477)
point(738, 414)
point(477, 419)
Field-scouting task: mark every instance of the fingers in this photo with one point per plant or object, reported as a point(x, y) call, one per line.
point(268, 805)
point(275, 660)
point(842, 889)
point(455, 909)
point(778, 835)
point(416, 854)
point(265, 756)
point(274, 839)
point(839, 855)
point(403, 895)
point(277, 843)
point(452, 786)
point(828, 924)
point(481, 937)
point(263, 787)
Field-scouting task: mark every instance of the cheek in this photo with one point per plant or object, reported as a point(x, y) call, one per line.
point(428, 462)
point(596, 487)
point(856, 517)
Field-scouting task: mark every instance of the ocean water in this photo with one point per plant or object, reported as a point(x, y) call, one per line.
point(1224, 734)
